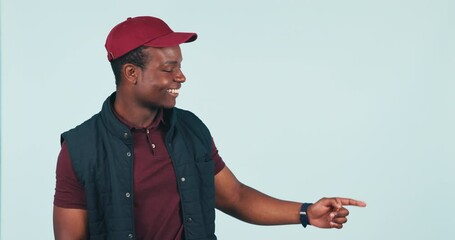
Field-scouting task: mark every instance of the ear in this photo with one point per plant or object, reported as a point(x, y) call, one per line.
point(130, 73)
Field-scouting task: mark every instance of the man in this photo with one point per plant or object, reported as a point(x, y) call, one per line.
point(143, 169)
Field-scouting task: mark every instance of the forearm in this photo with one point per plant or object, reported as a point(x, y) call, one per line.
point(250, 205)
point(258, 208)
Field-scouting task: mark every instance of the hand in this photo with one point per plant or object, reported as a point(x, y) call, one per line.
point(330, 213)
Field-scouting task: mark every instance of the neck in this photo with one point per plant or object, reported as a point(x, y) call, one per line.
point(138, 116)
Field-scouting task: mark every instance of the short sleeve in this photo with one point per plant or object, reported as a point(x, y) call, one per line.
point(219, 163)
point(69, 193)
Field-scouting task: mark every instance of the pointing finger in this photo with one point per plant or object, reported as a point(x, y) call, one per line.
point(351, 202)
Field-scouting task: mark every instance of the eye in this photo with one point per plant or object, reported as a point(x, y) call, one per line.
point(168, 70)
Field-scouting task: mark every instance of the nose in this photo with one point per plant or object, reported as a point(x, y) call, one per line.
point(179, 76)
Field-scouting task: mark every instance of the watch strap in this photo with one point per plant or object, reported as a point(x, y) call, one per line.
point(303, 214)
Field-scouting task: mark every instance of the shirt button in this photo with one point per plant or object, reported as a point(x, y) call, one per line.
point(182, 179)
point(153, 146)
point(128, 154)
point(189, 219)
point(125, 135)
point(130, 236)
point(127, 194)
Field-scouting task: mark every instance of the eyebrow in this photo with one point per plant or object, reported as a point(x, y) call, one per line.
point(171, 63)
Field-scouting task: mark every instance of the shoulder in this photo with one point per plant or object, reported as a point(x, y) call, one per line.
point(190, 125)
point(84, 129)
point(188, 118)
point(81, 145)
point(186, 114)
point(94, 124)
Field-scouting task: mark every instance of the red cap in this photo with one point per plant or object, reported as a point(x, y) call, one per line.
point(143, 31)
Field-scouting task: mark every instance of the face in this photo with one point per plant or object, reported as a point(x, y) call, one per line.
point(158, 84)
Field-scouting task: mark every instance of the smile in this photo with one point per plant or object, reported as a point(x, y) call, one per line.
point(175, 90)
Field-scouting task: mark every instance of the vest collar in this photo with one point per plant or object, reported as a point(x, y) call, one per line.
point(122, 131)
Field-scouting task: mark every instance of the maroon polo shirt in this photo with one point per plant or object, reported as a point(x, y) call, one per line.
point(157, 210)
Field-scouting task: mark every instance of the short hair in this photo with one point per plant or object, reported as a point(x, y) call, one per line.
point(137, 57)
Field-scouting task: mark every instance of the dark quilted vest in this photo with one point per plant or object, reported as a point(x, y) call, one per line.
point(101, 151)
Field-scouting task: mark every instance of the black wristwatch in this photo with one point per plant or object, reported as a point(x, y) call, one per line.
point(303, 214)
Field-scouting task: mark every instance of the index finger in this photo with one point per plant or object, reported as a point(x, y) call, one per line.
point(351, 202)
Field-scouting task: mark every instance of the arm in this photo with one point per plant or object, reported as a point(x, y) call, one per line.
point(70, 216)
point(250, 205)
point(70, 224)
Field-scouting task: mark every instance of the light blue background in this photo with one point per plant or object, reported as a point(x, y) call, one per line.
point(305, 99)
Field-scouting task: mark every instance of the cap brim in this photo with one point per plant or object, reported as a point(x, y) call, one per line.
point(172, 39)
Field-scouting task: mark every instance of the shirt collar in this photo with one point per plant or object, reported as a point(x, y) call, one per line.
point(159, 119)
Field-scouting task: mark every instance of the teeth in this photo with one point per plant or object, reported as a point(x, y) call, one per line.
point(173, 90)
